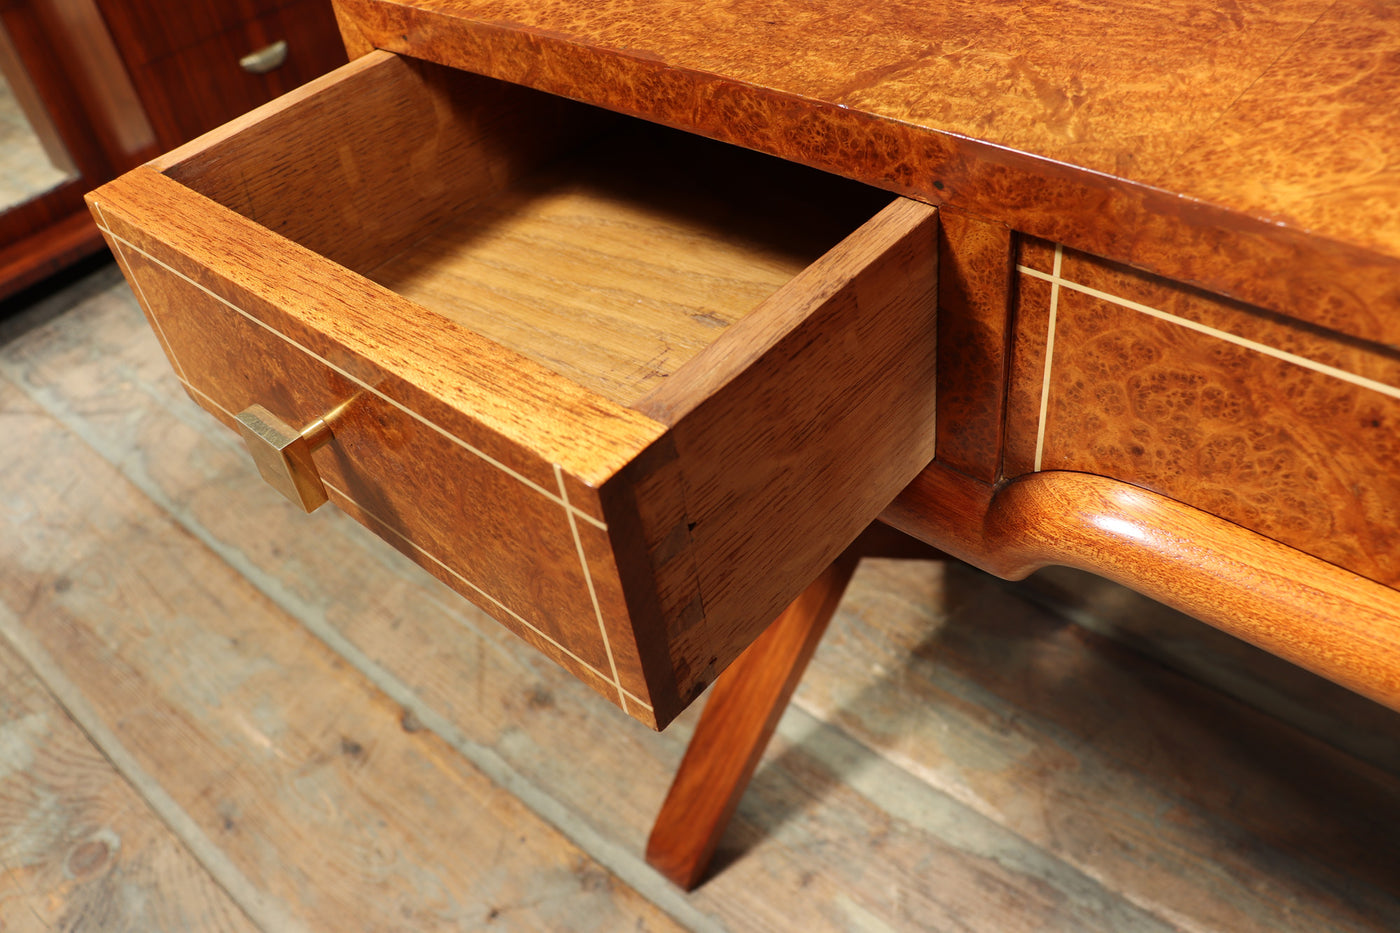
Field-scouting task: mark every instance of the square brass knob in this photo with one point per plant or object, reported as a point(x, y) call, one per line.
point(283, 454)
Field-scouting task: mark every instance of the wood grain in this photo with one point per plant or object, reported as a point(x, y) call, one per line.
point(604, 270)
point(743, 711)
point(610, 273)
point(1070, 122)
point(79, 847)
point(494, 538)
point(1332, 622)
point(68, 61)
point(92, 65)
point(511, 408)
point(151, 31)
point(1283, 691)
point(798, 424)
point(538, 520)
point(57, 246)
point(1286, 429)
point(739, 719)
point(299, 165)
point(507, 699)
point(1099, 752)
point(975, 265)
point(948, 728)
point(1340, 182)
point(307, 779)
point(1025, 390)
point(212, 85)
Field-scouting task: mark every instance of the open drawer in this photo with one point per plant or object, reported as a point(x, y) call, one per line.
point(626, 389)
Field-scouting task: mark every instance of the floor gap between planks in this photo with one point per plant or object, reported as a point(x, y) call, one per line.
point(961, 755)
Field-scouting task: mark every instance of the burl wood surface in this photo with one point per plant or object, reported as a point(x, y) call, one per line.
point(1285, 429)
point(975, 260)
point(1165, 135)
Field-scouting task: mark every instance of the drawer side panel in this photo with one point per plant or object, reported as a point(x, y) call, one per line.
point(798, 450)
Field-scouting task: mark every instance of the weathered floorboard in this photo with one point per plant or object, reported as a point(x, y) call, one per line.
point(504, 697)
point(1319, 707)
point(1164, 790)
point(79, 849)
point(958, 758)
point(337, 809)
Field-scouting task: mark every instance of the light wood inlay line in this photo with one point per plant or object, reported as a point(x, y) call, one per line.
point(1314, 365)
point(482, 455)
point(141, 295)
point(628, 697)
point(1054, 280)
point(592, 592)
point(485, 595)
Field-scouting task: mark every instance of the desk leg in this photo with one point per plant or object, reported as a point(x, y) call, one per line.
point(742, 712)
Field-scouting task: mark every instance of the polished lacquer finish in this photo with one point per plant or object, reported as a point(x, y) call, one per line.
point(1168, 135)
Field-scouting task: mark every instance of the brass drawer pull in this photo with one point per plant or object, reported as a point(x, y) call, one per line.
point(283, 454)
point(265, 59)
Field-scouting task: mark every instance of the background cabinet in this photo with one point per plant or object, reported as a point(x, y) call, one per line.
point(98, 86)
point(195, 63)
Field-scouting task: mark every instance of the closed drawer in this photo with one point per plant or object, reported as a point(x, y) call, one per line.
point(193, 89)
point(1282, 427)
point(627, 390)
point(155, 28)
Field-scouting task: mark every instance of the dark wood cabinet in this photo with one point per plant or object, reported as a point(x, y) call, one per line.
point(197, 65)
point(69, 86)
point(106, 84)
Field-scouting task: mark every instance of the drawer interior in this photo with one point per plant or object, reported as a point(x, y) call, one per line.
point(607, 249)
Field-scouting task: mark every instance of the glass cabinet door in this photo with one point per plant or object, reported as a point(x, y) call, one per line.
point(69, 120)
point(33, 158)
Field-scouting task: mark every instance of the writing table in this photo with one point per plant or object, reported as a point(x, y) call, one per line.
point(1135, 308)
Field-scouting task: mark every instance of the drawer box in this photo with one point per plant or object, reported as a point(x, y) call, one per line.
point(626, 389)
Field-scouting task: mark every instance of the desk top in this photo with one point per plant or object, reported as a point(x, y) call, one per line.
point(1250, 148)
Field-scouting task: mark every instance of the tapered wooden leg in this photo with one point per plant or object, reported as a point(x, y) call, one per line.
point(742, 712)
point(744, 706)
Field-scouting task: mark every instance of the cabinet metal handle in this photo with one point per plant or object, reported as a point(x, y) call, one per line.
point(283, 454)
point(266, 59)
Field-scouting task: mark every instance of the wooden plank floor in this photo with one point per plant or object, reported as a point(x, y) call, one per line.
point(217, 714)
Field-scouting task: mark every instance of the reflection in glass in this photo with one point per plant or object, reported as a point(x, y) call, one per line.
point(32, 157)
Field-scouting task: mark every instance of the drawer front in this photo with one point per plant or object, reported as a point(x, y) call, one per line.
point(642, 543)
point(496, 525)
point(1286, 429)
